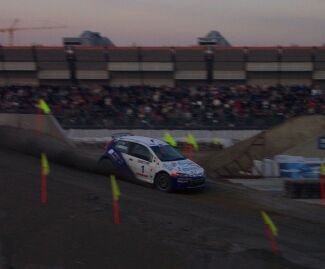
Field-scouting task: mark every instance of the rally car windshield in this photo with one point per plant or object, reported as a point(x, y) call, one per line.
point(167, 153)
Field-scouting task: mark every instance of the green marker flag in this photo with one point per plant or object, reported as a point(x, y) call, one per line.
point(269, 222)
point(191, 140)
point(170, 140)
point(44, 107)
point(216, 141)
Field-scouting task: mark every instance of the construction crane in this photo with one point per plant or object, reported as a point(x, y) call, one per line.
point(13, 28)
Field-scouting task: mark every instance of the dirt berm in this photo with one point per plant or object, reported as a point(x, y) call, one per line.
point(45, 124)
point(17, 132)
point(232, 161)
point(57, 151)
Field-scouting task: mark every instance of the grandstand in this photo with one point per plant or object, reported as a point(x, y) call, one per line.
point(226, 107)
point(156, 66)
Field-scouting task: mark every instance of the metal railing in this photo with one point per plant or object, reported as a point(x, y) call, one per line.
point(105, 119)
point(100, 120)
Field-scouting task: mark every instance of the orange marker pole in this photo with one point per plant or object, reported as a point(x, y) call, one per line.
point(116, 212)
point(274, 246)
point(43, 188)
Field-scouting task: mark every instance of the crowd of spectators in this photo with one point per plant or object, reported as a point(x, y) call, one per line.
point(206, 107)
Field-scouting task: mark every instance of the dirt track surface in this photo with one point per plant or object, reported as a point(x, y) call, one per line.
point(218, 228)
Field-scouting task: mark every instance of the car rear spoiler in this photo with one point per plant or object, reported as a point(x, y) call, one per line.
point(118, 135)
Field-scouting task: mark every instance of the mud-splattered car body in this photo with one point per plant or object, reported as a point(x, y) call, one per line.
point(154, 161)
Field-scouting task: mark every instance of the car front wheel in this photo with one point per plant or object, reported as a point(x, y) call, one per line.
point(163, 182)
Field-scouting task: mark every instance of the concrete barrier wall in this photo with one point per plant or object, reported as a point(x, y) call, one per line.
point(226, 137)
point(51, 127)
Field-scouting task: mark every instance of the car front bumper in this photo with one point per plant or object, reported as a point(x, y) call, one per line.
point(182, 183)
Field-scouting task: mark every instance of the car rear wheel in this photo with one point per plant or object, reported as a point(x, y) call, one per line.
point(163, 182)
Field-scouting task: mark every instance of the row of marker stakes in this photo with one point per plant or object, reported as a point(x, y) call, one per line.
point(43, 108)
point(45, 171)
point(190, 145)
point(270, 228)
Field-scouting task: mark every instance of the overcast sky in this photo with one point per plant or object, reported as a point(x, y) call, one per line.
point(170, 22)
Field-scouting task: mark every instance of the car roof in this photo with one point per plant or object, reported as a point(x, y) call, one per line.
point(148, 141)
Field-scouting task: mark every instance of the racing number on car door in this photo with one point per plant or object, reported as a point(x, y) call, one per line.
point(139, 161)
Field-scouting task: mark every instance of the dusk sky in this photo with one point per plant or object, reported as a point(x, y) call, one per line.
point(169, 22)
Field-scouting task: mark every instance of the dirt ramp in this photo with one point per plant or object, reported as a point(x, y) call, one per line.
point(45, 124)
point(57, 150)
point(308, 149)
point(297, 131)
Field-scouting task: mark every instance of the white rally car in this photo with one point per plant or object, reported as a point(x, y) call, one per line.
point(154, 161)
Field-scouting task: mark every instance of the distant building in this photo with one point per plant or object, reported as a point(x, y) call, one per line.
point(213, 38)
point(88, 38)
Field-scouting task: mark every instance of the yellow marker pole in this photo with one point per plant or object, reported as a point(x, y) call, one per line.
point(44, 107)
point(115, 189)
point(271, 231)
point(269, 222)
point(116, 194)
point(216, 141)
point(191, 140)
point(170, 140)
point(45, 164)
point(45, 170)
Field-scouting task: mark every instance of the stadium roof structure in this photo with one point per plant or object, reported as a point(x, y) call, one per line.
point(88, 38)
point(213, 38)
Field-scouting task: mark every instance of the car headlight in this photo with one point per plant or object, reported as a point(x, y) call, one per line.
point(182, 180)
point(177, 174)
point(182, 175)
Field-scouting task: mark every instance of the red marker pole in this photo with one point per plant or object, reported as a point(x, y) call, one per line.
point(274, 246)
point(189, 151)
point(43, 188)
point(116, 194)
point(116, 212)
point(38, 121)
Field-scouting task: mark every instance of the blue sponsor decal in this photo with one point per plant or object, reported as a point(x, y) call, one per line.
point(299, 170)
point(117, 159)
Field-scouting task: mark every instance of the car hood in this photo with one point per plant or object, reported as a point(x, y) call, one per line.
point(185, 167)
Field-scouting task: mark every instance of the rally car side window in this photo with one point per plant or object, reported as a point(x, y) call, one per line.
point(140, 152)
point(123, 146)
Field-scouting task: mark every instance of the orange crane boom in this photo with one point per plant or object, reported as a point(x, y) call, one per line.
point(12, 29)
